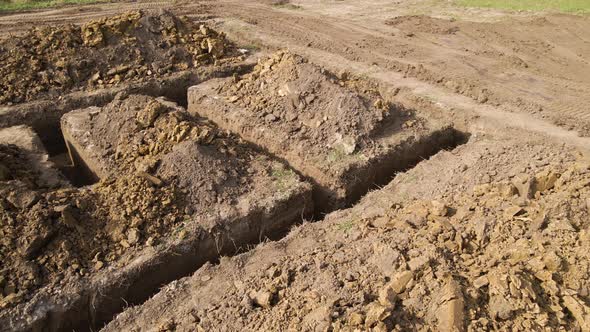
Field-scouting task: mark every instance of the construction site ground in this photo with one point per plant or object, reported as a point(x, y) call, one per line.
point(303, 165)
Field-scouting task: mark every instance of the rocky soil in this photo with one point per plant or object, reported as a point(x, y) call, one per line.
point(499, 243)
point(344, 133)
point(319, 110)
point(131, 47)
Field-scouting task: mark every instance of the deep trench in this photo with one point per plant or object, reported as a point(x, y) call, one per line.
point(51, 135)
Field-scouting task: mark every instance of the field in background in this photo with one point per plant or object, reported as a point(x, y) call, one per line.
point(569, 6)
point(28, 4)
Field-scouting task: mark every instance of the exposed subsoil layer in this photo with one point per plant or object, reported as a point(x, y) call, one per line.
point(338, 130)
point(490, 236)
point(135, 46)
point(177, 186)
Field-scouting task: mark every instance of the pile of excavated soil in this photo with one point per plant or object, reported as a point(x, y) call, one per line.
point(135, 46)
point(340, 131)
point(179, 194)
point(51, 235)
point(317, 109)
point(492, 236)
point(161, 141)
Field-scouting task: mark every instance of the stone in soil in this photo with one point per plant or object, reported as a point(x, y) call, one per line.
point(339, 131)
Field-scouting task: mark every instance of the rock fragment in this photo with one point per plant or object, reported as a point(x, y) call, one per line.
point(450, 314)
point(399, 282)
point(524, 185)
point(262, 298)
point(387, 296)
point(376, 313)
point(579, 310)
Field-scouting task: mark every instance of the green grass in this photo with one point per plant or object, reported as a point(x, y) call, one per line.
point(284, 178)
point(567, 6)
point(40, 4)
point(345, 226)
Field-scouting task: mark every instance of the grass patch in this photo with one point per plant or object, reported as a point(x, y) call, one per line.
point(8, 5)
point(567, 6)
point(336, 154)
point(284, 178)
point(345, 226)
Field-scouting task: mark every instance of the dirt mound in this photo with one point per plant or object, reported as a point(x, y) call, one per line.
point(166, 170)
point(131, 47)
point(315, 107)
point(423, 23)
point(341, 131)
point(50, 235)
point(155, 136)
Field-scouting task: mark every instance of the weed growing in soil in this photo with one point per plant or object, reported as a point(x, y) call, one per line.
point(284, 177)
point(336, 155)
point(346, 226)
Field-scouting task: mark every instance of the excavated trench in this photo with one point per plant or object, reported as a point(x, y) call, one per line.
point(379, 174)
point(179, 262)
point(93, 308)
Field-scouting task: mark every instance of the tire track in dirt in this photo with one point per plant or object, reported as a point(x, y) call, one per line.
point(20, 22)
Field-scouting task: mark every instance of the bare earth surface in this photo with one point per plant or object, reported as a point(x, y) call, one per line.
point(490, 233)
point(465, 246)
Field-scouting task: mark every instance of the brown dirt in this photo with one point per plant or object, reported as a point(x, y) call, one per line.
point(531, 64)
point(338, 130)
point(305, 100)
point(25, 159)
point(135, 46)
point(507, 252)
point(489, 236)
point(422, 23)
point(73, 233)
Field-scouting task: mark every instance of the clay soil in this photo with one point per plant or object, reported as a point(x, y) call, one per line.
point(494, 241)
point(486, 231)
